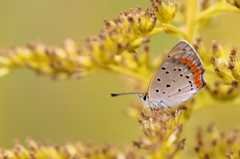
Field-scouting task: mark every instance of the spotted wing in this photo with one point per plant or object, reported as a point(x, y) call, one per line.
point(178, 78)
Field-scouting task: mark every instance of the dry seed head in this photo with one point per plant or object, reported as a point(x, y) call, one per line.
point(215, 46)
point(234, 83)
point(207, 156)
point(214, 142)
point(197, 149)
point(196, 47)
point(234, 52)
point(130, 19)
point(32, 155)
point(210, 128)
point(232, 66)
point(217, 69)
point(198, 39)
point(181, 144)
point(138, 144)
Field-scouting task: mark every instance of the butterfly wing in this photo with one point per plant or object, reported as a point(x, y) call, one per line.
point(178, 78)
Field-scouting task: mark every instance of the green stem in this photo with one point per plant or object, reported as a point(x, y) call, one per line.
point(216, 9)
point(156, 31)
point(191, 16)
point(127, 72)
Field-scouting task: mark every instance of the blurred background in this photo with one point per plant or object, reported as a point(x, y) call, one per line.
point(82, 110)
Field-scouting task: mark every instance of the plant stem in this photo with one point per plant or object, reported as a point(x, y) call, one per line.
point(128, 72)
point(156, 31)
point(191, 16)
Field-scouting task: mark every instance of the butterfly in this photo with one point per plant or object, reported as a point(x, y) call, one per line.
point(178, 78)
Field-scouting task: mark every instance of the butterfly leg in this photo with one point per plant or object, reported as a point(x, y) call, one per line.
point(168, 108)
point(152, 106)
point(149, 105)
point(164, 106)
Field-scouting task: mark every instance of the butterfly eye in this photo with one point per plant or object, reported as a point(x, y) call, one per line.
point(145, 97)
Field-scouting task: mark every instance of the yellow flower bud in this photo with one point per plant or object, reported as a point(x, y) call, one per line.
point(173, 31)
point(165, 13)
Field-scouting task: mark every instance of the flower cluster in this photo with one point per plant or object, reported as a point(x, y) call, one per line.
point(226, 69)
point(126, 32)
point(221, 67)
point(165, 13)
point(68, 151)
point(69, 61)
point(215, 144)
point(162, 132)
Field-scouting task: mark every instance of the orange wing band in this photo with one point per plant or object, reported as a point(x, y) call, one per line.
point(196, 72)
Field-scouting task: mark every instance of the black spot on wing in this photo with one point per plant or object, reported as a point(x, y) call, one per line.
point(168, 85)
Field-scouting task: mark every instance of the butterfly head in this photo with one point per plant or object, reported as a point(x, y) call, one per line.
point(144, 97)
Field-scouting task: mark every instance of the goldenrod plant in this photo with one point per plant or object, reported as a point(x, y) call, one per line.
point(115, 50)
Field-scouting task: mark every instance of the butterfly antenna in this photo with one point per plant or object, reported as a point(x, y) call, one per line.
point(128, 93)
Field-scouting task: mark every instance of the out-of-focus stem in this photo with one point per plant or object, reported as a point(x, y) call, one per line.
point(156, 31)
point(191, 16)
point(129, 73)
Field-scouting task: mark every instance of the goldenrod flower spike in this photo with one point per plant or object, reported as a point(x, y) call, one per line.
point(127, 32)
point(162, 133)
point(211, 140)
point(217, 50)
point(35, 150)
point(201, 50)
point(222, 93)
point(227, 68)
